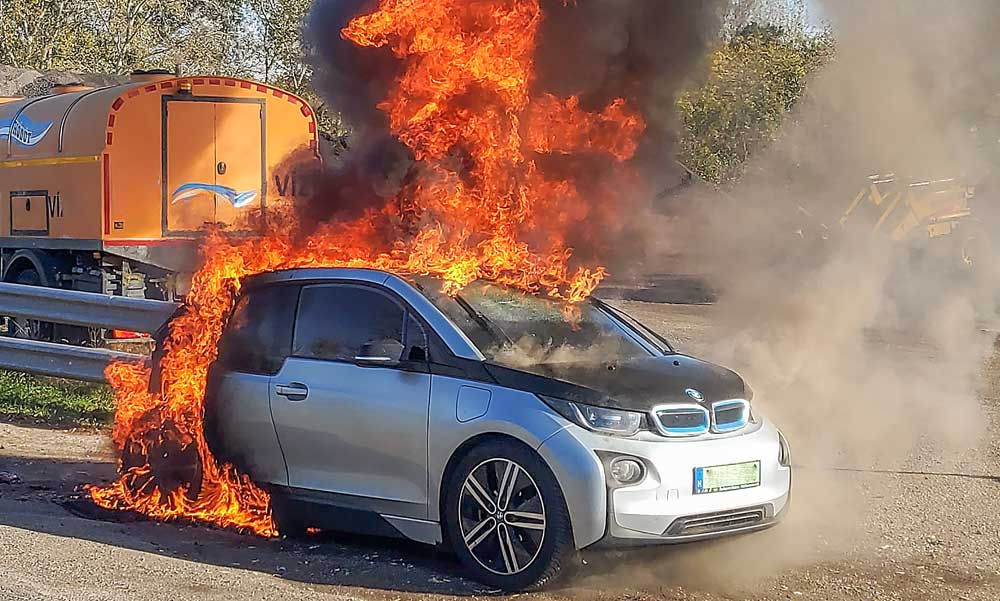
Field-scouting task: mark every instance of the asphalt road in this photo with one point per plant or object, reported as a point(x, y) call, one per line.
point(922, 526)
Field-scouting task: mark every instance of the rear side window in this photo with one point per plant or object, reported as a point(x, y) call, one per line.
point(335, 321)
point(258, 336)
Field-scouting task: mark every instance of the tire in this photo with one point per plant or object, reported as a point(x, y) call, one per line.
point(30, 329)
point(534, 522)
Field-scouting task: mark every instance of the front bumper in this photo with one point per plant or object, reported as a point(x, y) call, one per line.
point(699, 526)
point(663, 507)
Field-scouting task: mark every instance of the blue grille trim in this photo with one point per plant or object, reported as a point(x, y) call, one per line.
point(730, 425)
point(686, 409)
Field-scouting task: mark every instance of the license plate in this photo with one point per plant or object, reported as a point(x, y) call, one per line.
point(734, 476)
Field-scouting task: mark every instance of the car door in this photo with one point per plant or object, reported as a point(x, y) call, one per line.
point(255, 343)
point(348, 425)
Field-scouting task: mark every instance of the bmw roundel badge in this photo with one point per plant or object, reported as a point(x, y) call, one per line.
point(694, 394)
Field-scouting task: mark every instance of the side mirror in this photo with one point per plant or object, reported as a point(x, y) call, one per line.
point(380, 353)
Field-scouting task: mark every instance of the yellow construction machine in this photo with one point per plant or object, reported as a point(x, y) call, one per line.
point(916, 211)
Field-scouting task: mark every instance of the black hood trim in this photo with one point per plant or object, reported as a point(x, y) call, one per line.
point(634, 386)
point(547, 386)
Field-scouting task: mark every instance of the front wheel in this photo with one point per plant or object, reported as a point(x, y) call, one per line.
point(506, 517)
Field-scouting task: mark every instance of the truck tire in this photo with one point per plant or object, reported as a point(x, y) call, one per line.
point(29, 329)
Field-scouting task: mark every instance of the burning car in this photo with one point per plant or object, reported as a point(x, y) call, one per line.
point(511, 427)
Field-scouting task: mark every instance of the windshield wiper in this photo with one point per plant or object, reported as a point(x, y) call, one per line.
point(484, 323)
point(642, 329)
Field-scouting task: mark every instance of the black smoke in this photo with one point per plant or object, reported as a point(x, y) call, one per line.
point(644, 52)
point(639, 50)
point(353, 80)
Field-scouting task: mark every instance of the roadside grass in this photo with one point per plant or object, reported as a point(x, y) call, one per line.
point(54, 402)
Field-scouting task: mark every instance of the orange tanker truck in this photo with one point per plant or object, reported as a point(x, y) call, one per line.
point(106, 189)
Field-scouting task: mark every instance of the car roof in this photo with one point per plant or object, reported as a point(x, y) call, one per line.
point(376, 276)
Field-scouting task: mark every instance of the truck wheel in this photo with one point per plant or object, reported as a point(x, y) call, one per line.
point(30, 329)
point(506, 517)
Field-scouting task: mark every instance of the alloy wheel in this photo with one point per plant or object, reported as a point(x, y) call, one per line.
point(501, 516)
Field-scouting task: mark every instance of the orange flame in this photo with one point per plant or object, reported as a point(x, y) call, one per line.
point(464, 108)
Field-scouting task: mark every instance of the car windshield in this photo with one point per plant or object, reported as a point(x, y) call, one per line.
point(520, 330)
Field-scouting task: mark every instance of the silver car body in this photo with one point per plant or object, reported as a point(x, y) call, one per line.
point(380, 440)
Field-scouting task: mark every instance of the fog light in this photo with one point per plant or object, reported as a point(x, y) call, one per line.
point(627, 471)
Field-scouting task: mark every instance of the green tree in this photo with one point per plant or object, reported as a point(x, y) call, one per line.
point(271, 43)
point(272, 49)
point(117, 36)
point(755, 78)
point(124, 35)
point(34, 32)
point(791, 16)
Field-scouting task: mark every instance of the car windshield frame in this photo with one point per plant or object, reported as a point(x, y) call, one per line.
point(625, 325)
point(633, 325)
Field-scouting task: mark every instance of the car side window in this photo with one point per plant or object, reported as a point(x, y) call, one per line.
point(335, 321)
point(258, 336)
point(416, 340)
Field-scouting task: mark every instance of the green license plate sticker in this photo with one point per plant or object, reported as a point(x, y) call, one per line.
point(734, 476)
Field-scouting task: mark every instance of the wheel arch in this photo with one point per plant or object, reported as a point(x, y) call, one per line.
point(24, 259)
point(577, 470)
point(581, 477)
point(463, 449)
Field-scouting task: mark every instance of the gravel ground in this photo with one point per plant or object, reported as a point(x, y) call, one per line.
point(926, 527)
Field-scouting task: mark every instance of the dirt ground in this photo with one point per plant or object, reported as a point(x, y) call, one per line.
point(927, 527)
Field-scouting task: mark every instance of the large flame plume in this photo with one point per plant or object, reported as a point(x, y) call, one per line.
point(477, 203)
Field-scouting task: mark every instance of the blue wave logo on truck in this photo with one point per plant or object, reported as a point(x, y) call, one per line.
point(24, 131)
point(237, 199)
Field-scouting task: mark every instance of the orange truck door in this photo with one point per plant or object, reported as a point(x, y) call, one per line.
point(214, 163)
point(239, 143)
point(190, 166)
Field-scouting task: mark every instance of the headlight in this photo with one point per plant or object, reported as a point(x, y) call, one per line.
point(599, 419)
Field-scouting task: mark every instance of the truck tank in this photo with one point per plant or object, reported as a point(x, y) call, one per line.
point(107, 189)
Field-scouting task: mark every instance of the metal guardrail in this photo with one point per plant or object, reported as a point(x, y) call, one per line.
point(59, 360)
point(84, 308)
point(74, 308)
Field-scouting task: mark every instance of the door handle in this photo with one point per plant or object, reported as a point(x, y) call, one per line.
point(293, 392)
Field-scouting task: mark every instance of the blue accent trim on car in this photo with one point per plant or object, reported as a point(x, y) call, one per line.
point(686, 430)
point(731, 425)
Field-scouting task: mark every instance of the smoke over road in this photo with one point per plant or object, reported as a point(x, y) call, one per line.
point(814, 322)
point(866, 352)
